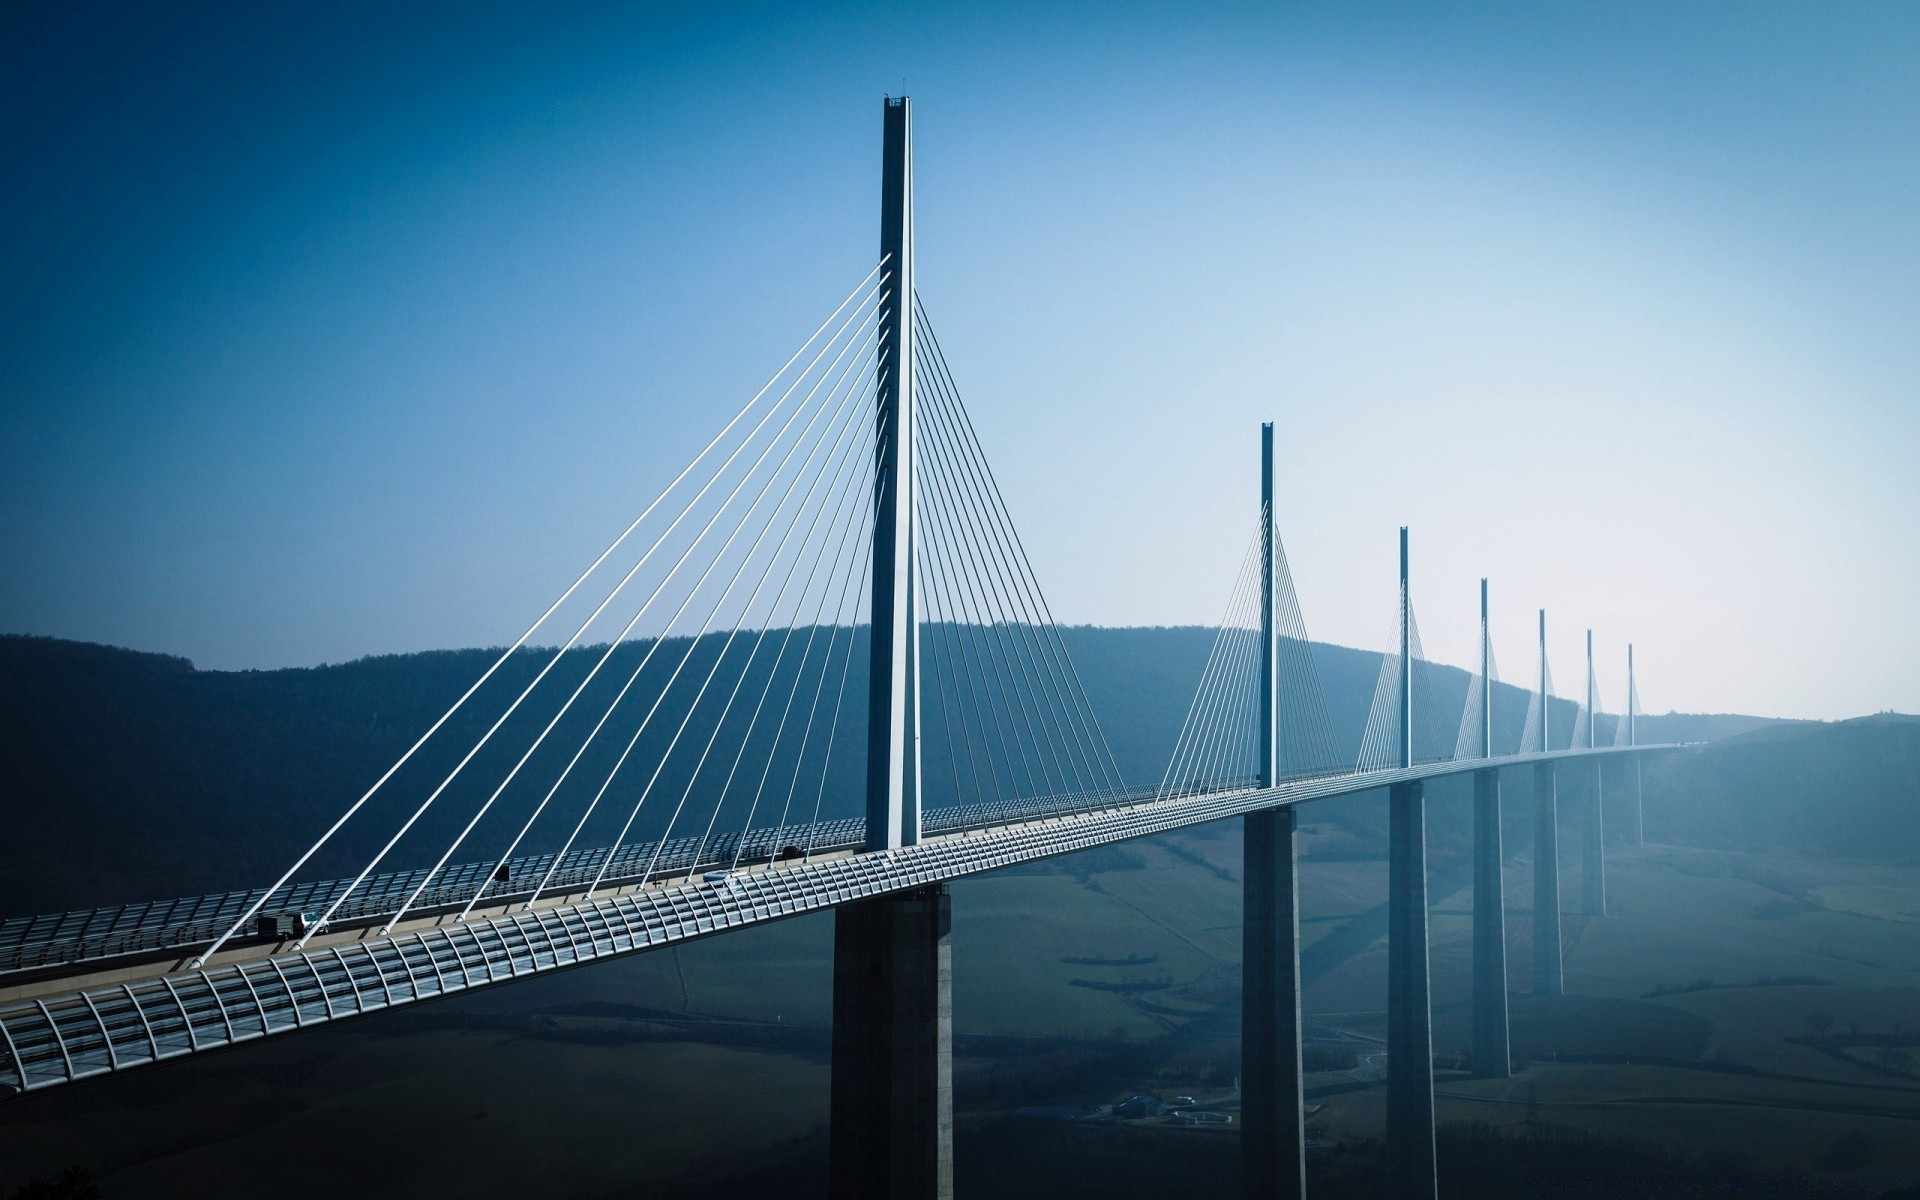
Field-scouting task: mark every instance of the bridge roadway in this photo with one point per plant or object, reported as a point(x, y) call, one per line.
point(91, 1018)
point(53, 942)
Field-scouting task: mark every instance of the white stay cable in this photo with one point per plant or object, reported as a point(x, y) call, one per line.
point(1199, 709)
point(983, 470)
point(847, 412)
point(1018, 611)
point(1379, 744)
point(836, 472)
point(847, 533)
point(940, 509)
point(544, 671)
point(1221, 728)
point(952, 581)
point(860, 538)
point(539, 741)
point(963, 636)
point(252, 910)
point(1230, 724)
point(634, 677)
point(686, 655)
point(840, 696)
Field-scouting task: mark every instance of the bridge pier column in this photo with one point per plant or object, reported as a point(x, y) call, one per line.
point(1410, 1155)
point(891, 1112)
point(1639, 809)
point(1273, 1143)
point(1633, 706)
point(1492, 1056)
point(1547, 977)
point(1593, 854)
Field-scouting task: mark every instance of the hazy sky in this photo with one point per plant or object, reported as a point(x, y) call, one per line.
point(330, 331)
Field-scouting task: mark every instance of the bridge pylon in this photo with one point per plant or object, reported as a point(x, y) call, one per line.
point(893, 681)
point(1492, 1048)
point(1547, 977)
point(891, 1114)
point(1273, 1140)
point(1593, 840)
point(1410, 1151)
point(1639, 803)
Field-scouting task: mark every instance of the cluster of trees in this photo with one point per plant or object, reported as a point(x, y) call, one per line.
point(1891, 1051)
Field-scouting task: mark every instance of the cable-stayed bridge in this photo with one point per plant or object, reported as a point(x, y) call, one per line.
point(818, 672)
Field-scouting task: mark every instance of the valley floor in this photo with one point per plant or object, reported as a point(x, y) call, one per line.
point(1734, 1017)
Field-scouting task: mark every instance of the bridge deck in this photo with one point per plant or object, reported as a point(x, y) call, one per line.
point(110, 1016)
point(58, 940)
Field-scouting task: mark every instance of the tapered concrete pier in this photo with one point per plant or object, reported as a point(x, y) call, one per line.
point(1547, 978)
point(1273, 1137)
point(1593, 834)
point(1492, 1055)
point(1593, 853)
point(1639, 805)
point(1410, 1161)
point(1639, 825)
point(892, 1077)
point(1273, 1145)
point(1410, 1154)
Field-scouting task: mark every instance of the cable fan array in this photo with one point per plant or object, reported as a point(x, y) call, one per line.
point(705, 704)
point(1471, 740)
point(695, 699)
point(1014, 717)
point(1380, 743)
point(1533, 736)
point(1580, 734)
point(1622, 727)
point(1608, 729)
point(1219, 745)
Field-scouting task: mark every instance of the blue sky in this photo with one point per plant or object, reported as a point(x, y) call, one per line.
point(334, 330)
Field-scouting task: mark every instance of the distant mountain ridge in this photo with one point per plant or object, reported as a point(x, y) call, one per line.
point(129, 775)
point(1842, 789)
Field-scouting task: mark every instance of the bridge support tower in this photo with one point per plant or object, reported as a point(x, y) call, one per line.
point(892, 1071)
point(1547, 978)
point(1593, 854)
point(1593, 842)
point(892, 1108)
point(1410, 1153)
point(1273, 1148)
point(1492, 1052)
point(1639, 813)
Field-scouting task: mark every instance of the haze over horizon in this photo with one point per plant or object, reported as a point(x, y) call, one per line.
point(349, 331)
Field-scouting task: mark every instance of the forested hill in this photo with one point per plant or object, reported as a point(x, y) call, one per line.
point(128, 776)
point(1845, 789)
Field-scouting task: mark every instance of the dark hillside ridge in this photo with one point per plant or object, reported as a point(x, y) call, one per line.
point(1842, 789)
point(127, 776)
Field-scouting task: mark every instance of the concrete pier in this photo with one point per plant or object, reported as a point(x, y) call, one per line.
point(1639, 809)
point(1547, 979)
point(892, 1075)
point(1593, 851)
point(1492, 1055)
point(1273, 1144)
point(1410, 1155)
point(1638, 817)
